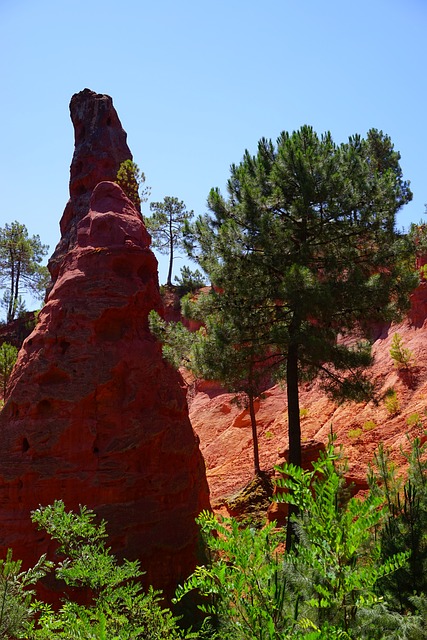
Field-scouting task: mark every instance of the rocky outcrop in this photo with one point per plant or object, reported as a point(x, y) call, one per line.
point(99, 148)
point(94, 415)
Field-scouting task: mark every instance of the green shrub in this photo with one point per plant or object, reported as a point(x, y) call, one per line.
point(120, 609)
point(131, 179)
point(391, 402)
point(189, 281)
point(323, 589)
point(369, 425)
point(402, 357)
point(17, 594)
point(8, 356)
point(405, 527)
point(355, 433)
point(414, 419)
point(336, 548)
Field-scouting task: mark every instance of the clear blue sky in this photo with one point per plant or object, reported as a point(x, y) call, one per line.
point(197, 82)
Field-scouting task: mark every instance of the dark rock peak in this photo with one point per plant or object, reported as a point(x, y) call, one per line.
point(100, 148)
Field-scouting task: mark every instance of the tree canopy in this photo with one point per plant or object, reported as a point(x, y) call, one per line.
point(132, 180)
point(305, 245)
point(20, 268)
point(166, 226)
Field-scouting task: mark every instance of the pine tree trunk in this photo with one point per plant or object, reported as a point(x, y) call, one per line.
point(169, 280)
point(294, 428)
point(12, 288)
point(254, 434)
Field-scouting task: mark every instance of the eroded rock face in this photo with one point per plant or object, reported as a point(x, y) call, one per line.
point(225, 432)
point(100, 148)
point(94, 415)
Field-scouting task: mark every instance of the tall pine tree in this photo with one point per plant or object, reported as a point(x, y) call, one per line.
point(166, 226)
point(306, 242)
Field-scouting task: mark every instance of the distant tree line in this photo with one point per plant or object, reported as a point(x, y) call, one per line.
point(20, 268)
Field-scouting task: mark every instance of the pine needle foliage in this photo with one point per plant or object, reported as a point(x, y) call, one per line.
point(325, 587)
point(305, 245)
point(20, 267)
point(17, 594)
point(336, 549)
point(402, 357)
point(405, 528)
point(167, 224)
point(132, 180)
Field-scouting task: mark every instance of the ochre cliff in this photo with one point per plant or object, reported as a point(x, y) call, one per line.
point(225, 432)
point(93, 414)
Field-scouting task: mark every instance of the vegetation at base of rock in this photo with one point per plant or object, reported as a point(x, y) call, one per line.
point(20, 268)
point(8, 356)
point(166, 225)
point(250, 505)
point(357, 570)
point(119, 609)
point(340, 580)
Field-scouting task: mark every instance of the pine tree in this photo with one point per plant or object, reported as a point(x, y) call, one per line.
point(227, 352)
point(166, 226)
point(307, 235)
point(132, 180)
point(20, 269)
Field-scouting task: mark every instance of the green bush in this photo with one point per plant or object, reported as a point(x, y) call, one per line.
point(391, 402)
point(355, 433)
point(402, 357)
point(369, 425)
point(120, 609)
point(324, 588)
point(8, 356)
point(414, 419)
point(17, 594)
point(189, 281)
point(405, 527)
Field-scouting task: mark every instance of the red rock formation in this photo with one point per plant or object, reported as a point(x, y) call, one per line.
point(94, 415)
point(100, 148)
point(225, 432)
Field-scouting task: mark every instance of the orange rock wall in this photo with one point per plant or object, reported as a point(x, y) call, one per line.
point(225, 433)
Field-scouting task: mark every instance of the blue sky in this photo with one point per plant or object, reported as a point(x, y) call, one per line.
point(196, 83)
